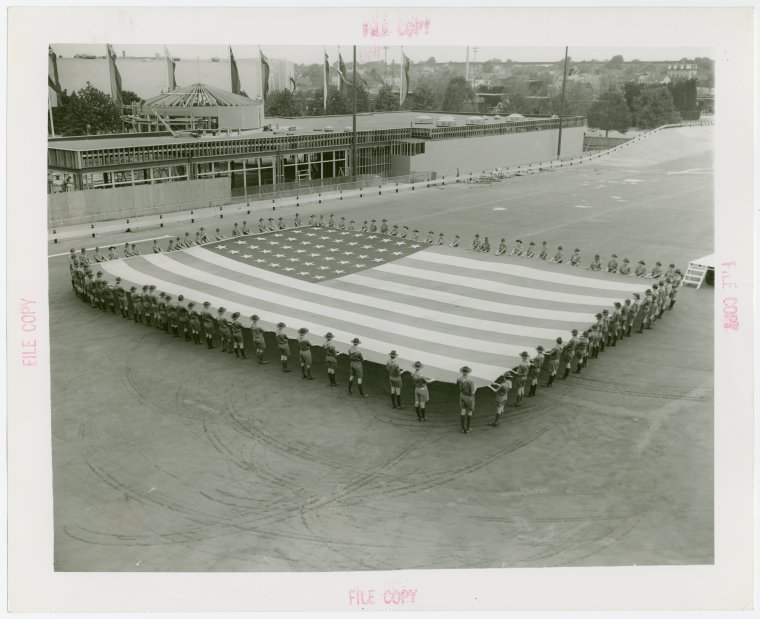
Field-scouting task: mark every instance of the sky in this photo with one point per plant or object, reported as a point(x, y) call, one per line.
point(314, 54)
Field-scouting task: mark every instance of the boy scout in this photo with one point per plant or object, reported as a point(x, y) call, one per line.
point(112, 253)
point(218, 236)
point(625, 268)
point(171, 316)
point(581, 350)
point(612, 265)
point(441, 239)
point(137, 307)
point(384, 227)
point(156, 248)
point(537, 363)
point(352, 226)
point(575, 259)
point(271, 226)
point(502, 247)
point(501, 387)
point(475, 246)
point(404, 232)
point(596, 264)
point(98, 257)
point(135, 251)
point(204, 236)
point(557, 258)
point(208, 325)
point(568, 352)
point(331, 221)
point(430, 238)
point(365, 226)
point(544, 254)
point(304, 350)
point(312, 220)
point(633, 312)
point(194, 320)
point(356, 370)
point(394, 230)
point(121, 297)
point(297, 223)
point(224, 330)
point(421, 395)
point(235, 230)
point(262, 225)
point(394, 380)
point(373, 227)
point(641, 270)
point(554, 355)
point(531, 251)
point(522, 376)
point(245, 230)
point(283, 346)
point(147, 305)
point(656, 272)
point(281, 224)
point(466, 398)
point(455, 242)
point(517, 250)
point(331, 358)
point(183, 318)
point(615, 324)
point(486, 246)
point(259, 343)
point(236, 334)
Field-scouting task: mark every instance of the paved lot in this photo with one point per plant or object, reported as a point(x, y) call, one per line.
point(167, 456)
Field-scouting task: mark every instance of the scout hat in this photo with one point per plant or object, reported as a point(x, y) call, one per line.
point(145, 287)
point(255, 318)
point(574, 331)
point(540, 348)
point(191, 304)
point(465, 370)
point(531, 243)
point(617, 303)
point(642, 262)
point(625, 259)
point(393, 354)
point(180, 298)
point(559, 340)
point(118, 279)
point(236, 315)
point(133, 288)
point(614, 255)
point(220, 310)
point(560, 247)
point(280, 325)
point(356, 341)
point(658, 263)
point(303, 331)
point(329, 335)
point(524, 354)
point(417, 364)
point(206, 303)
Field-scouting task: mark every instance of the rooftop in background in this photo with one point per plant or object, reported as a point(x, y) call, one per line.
point(198, 95)
point(304, 125)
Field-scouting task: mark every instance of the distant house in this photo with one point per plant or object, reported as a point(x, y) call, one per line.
point(682, 71)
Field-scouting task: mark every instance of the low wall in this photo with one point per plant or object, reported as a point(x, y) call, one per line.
point(486, 153)
point(89, 205)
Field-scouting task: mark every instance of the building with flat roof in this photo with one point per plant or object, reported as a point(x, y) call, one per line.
point(290, 152)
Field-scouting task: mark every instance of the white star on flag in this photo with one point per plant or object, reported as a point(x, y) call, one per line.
point(310, 234)
point(319, 277)
point(288, 269)
point(234, 251)
point(398, 253)
point(343, 262)
point(274, 264)
point(401, 243)
point(348, 253)
point(377, 259)
point(372, 237)
point(366, 246)
point(266, 251)
point(382, 250)
point(292, 238)
point(247, 256)
point(359, 266)
point(333, 249)
point(253, 247)
point(302, 273)
point(323, 268)
point(308, 264)
point(362, 256)
point(352, 243)
point(314, 255)
point(241, 242)
point(416, 246)
point(318, 246)
point(260, 260)
point(386, 240)
point(339, 271)
point(221, 247)
point(294, 259)
point(279, 255)
point(329, 258)
point(301, 251)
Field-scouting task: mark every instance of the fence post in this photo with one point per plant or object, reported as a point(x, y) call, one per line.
point(380, 190)
point(192, 219)
point(396, 187)
point(92, 227)
point(160, 219)
point(55, 240)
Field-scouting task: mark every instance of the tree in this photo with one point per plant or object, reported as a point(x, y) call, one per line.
point(655, 108)
point(423, 99)
point(87, 112)
point(609, 111)
point(128, 97)
point(282, 103)
point(459, 96)
point(386, 100)
point(616, 62)
point(632, 92)
point(578, 100)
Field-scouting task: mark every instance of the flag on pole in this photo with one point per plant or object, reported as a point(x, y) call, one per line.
point(54, 83)
point(115, 77)
point(404, 76)
point(264, 75)
point(171, 81)
point(234, 75)
point(326, 77)
point(293, 84)
point(438, 305)
point(342, 73)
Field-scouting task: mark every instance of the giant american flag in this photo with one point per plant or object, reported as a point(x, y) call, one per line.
point(443, 306)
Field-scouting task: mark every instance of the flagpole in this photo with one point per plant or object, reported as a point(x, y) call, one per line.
point(324, 76)
point(355, 162)
point(562, 106)
point(401, 83)
point(50, 111)
point(261, 72)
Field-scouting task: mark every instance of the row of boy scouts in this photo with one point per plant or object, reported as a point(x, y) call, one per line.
point(529, 250)
point(178, 318)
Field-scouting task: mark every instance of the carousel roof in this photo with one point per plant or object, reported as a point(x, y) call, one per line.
point(199, 95)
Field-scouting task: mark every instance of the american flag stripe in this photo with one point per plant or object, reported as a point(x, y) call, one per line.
point(466, 279)
point(261, 293)
point(426, 297)
point(563, 275)
point(368, 305)
point(443, 362)
point(431, 304)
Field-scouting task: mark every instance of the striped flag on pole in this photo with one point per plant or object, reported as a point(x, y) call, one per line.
point(54, 83)
point(442, 306)
point(171, 80)
point(234, 75)
point(115, 77)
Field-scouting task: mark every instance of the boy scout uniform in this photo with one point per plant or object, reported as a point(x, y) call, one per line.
point(534, 374)
point(224, 330)
point(137, 306)
point(259, 343)
point(236, 334)
point(466, 398)
point(208, 325)
point(612, 265)
point(183, 318)
point(421, 394)
point(331, 359)
point(356, 369)
point(304, 349)
point(394, 379)
point(283, 346)
point(194, 320)
point(625, 268)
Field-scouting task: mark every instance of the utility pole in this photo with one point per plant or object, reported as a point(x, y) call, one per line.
point(354, 161)
point(385, 61)
point(562, 106)
point(467, 66)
